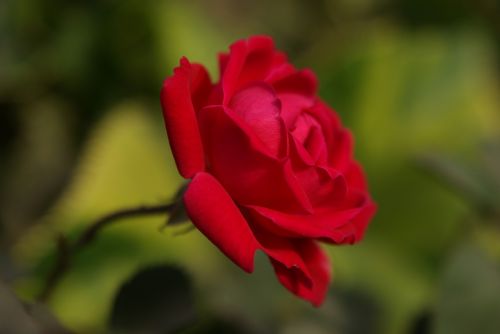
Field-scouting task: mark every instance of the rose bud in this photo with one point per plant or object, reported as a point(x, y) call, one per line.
point(271, 165)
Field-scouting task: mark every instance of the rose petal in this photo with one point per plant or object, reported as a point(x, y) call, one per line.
point(223, 60)
point(362, 220)
point(259, 107)
point(300, 82)
point(338, 139)
point(300, 265)
point(189, 85)
point(341, 150)
point(317, 265)
point(236, 158)
point(324, 186)
point(292, 106)
point(214, 213)
point(339, 222)
point(249, 60)
point(354, 231)
point(280, 249)
point(324, 224)
point(356, 177)
point(295, 89)
point(308, 136)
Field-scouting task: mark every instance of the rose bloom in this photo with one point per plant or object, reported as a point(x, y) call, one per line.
point(271, 165)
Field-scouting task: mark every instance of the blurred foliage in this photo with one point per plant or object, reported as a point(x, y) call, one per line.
point(157, 299)
point(469, 298)
point(22, 318)
point(81, 135)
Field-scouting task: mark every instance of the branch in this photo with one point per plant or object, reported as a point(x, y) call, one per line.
point(67, 251)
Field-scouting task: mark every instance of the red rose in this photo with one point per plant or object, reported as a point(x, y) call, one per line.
point(271, 164)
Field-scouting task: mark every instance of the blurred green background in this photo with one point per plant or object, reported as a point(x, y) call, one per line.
point(81, 135)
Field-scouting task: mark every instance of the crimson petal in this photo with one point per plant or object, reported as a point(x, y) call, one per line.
point(244, 166)
point(249, 60)
point(189, 84)
point(317, 265)
point(214, 213)
point(259, 107)
point(328, 225)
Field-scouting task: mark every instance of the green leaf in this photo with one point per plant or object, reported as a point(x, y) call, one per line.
point(469, 299)
point(459, 179)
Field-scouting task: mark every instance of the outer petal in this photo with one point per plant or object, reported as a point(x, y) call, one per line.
point(354, 231)
point(200, 86)
point(300, 265)
point(361, 221)
point(327, 225)
point(302, 82)
point(318, 267)
point(249, 60)
point(180, 94)
point(214, 213)
point(282, 250)
point(223, 60)
point(356, 177)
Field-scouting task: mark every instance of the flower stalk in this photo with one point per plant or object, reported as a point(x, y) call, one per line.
point(66, 251)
